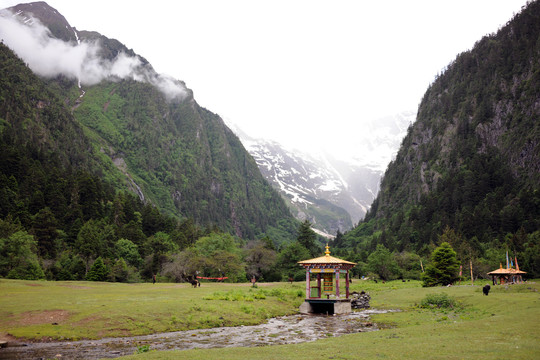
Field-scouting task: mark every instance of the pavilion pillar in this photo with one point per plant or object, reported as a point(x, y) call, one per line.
point(308, 287)
point(337, 283)
point(347, 285)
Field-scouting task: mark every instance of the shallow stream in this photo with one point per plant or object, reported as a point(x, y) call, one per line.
point(281, 330)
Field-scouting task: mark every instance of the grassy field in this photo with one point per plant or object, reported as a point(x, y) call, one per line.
point(89, 310)
point(503, 325)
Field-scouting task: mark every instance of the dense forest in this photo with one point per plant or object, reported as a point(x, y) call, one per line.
point(468, 171)
point(117, 182)
point(69, 212)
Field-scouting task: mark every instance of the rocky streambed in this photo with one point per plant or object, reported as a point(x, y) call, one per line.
point(281, 330)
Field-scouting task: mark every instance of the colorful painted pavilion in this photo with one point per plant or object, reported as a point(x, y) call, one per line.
point(508, 275)
point(324, 297)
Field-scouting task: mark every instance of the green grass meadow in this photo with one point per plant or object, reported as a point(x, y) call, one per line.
point(503, 325)
point(92, 310)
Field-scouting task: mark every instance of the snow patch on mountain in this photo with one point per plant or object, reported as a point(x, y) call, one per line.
point(320, 186)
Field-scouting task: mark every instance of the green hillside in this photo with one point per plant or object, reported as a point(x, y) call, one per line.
point(152, 138)
point(470, 163)
point(183, 157)
point(120, 180)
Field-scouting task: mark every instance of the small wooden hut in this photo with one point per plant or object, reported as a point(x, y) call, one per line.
point(324, 297)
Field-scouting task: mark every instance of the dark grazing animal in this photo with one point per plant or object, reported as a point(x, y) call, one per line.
point(192, 280)
point(486, 289)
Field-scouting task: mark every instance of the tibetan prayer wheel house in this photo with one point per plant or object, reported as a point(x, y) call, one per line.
point(507, 276)
point(325, 296)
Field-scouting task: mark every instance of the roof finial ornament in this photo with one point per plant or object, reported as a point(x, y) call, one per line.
point(327, 252)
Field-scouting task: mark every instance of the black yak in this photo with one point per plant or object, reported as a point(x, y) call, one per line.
point(486, 289)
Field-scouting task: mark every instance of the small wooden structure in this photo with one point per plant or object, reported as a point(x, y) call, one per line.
point(506, 276)
point(324, 297)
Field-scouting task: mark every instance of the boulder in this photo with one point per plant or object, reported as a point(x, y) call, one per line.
point(360, 300)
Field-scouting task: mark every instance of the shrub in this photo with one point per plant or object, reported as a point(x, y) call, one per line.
point(142, 349)
point(439, 301)
point(119, 272)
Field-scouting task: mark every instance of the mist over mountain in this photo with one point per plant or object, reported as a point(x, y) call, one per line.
point(332, 193)
point(380, 140)
point(59, 49)
point(148, 133)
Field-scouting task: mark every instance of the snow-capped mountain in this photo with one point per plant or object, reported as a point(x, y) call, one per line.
point(332, 193)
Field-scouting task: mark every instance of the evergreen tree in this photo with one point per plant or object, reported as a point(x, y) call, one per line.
point(127, 250)
point(443, 269)
point(44, 229)
point(460, 245)
point(98, 271)
point(307, 238)
point(288, 261)
point(89, 241)
point(338, 240)
point(69, 267)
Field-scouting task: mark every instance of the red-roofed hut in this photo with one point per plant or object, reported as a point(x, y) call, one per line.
point(324, 297)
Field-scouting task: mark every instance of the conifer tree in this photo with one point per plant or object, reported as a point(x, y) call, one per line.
point(98, 271)
point(307, 238)
point(443, 269)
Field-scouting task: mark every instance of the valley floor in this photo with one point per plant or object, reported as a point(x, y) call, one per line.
point(499, 326)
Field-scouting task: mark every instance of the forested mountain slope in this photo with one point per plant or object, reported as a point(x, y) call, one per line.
point(50, 187)
point(145, 132)
point(471, 161)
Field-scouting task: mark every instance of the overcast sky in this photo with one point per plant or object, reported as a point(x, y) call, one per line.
point(305, 73)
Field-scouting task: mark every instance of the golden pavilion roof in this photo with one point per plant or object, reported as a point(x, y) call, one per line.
point(507, 271)
point(326, 259)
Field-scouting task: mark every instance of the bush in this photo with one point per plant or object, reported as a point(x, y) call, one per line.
point(69, 267)
point(439, 301)
point(32, 271)
point(119, 272)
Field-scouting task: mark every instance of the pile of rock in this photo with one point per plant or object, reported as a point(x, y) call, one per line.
point(360, 300)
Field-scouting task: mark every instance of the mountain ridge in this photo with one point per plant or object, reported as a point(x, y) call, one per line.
point(154, 139)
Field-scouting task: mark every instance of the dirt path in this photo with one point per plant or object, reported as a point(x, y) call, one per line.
point(281, 330)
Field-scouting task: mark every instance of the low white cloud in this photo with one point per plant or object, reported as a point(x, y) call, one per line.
point(49, 57)
point(171, 87)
